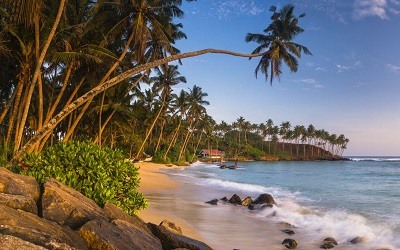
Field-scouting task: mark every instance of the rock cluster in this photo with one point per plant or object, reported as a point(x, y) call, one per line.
point(261, 202)
point(55, 216)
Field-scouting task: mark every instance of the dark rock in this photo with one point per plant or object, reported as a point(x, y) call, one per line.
point(290, 243)
point(212, 202)
point(266, 206)
point(19, 202)
point(11, 183)
point(357, 240)
point(264, 198)
point(252, 206)
point(120, 234)
point(286, 225)
point(68, 207)
point(327, 245)
point(31, 228)
point(288, 231)
point(331, 239)
point(113, 213)
point(247, 201)
point(224, 199)
point(232, 167)
point(170, 240)
point(223, 167)
point(235, 200)
point(170, 226)
point(9, 242)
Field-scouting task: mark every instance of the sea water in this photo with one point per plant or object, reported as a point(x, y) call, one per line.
point(340, 199)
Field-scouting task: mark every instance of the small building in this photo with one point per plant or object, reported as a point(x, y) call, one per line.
point(211, 154)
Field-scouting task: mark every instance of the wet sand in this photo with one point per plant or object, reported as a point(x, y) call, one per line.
point(223, 226)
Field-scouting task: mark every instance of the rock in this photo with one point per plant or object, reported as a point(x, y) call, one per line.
point(170, 240)
point(327, 245)
point(331, 239)
point(100, 234)
point(113, 213)
point(286, 225)
point(290, 243)
point(357, 240)
point(223, 167)
point(212, 202)
point(235, 200)
point(31, 228)
point(288, 231)
point(264, 198)
point(19, 202)
point(11, 183)
point(232, 167)
point(266, 206)
point(9, 242)
point(68, 207)
point(247, 201)
point(170, 226)
point(224, 199)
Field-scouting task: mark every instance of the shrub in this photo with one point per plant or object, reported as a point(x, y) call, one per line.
point(101, 174)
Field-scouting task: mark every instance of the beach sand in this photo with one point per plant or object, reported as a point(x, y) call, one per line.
point(221, 227)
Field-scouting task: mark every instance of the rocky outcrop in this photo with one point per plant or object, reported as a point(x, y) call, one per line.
point(170, 240)
point(235, 200)
point(36, 230)
point(62, 218)
point(68, 207)
point(264, 198)
point(247, 201)
point(120, 234)
point(212, 202)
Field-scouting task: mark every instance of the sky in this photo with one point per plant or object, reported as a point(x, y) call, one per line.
point(350, 86)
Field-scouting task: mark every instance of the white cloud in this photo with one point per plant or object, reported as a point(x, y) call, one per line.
point(393, 68)
point(343, 68)
point(375, 8)
point(312, 82)
point(322, 69)
point(227, 8)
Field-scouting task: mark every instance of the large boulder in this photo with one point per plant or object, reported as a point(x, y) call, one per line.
point(120, 234)
point(16, 184)
point(9, 242)
point(19, 202)
point(31, 228)
point(235, 200)
point(115, 213)
point(264, 198)
point(170, 240)
point(68, 207)
point(170, 226)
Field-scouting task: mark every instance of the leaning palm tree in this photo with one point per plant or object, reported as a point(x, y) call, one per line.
point(276, 44)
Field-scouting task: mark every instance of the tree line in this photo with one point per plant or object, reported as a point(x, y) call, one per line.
point(76, 69)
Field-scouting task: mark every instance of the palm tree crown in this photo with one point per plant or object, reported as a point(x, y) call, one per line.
point(276, 44)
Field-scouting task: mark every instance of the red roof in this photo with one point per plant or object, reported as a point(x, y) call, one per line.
point(212, 152)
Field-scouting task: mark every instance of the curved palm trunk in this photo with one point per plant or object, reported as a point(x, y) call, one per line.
point(110, 83)
point(186, 141)
point(160, 137)
point(197, 146)
point(175, 135)
point(35, 77)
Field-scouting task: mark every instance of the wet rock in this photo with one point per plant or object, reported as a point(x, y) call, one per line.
point(290, 243)
point(266, 206)
point(212, 202)
point(120, 234)
point(31, 228)
point(68, 207)
point(286, 225)
point(357, 240)
point(16, 184)
point(170, 240)
point(223, 167)
point(288, 231)
point(113, 213)
point(9, 242)
point(233, 167)
point(170, 226)
point(235, 200)
point(331, 239)
point(247, 201)
point(19, 202)
point(264, 198)
point(224, 199)
point(327, 245)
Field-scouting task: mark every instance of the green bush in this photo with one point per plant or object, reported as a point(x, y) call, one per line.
point(254, 153)
point(101, 174)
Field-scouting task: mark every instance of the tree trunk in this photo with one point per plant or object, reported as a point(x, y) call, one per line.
point(175, 135)
point(197, 146)
point(110, 83)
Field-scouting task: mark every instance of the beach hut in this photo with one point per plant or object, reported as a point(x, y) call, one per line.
point(211, 154)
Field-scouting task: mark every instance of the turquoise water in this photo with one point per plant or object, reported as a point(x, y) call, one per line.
point(341, 199)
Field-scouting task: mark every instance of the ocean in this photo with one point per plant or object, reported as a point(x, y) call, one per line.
point(340, 199)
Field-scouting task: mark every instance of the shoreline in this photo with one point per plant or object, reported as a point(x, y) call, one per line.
point(222, 227)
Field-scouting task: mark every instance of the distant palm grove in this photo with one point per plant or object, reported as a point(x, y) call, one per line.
point(100, 71)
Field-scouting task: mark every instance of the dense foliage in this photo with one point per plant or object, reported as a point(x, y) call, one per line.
point(101, 174)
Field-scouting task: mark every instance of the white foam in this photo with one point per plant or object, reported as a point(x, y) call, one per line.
point(378, 159)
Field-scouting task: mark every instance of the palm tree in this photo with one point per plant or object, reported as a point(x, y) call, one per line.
point(276, 44)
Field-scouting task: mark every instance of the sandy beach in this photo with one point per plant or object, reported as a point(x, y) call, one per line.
point(221, 227)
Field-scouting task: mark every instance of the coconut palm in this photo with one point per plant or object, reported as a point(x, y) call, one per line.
point(277, 44)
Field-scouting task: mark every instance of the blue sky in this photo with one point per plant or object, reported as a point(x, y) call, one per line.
point(350, 85)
